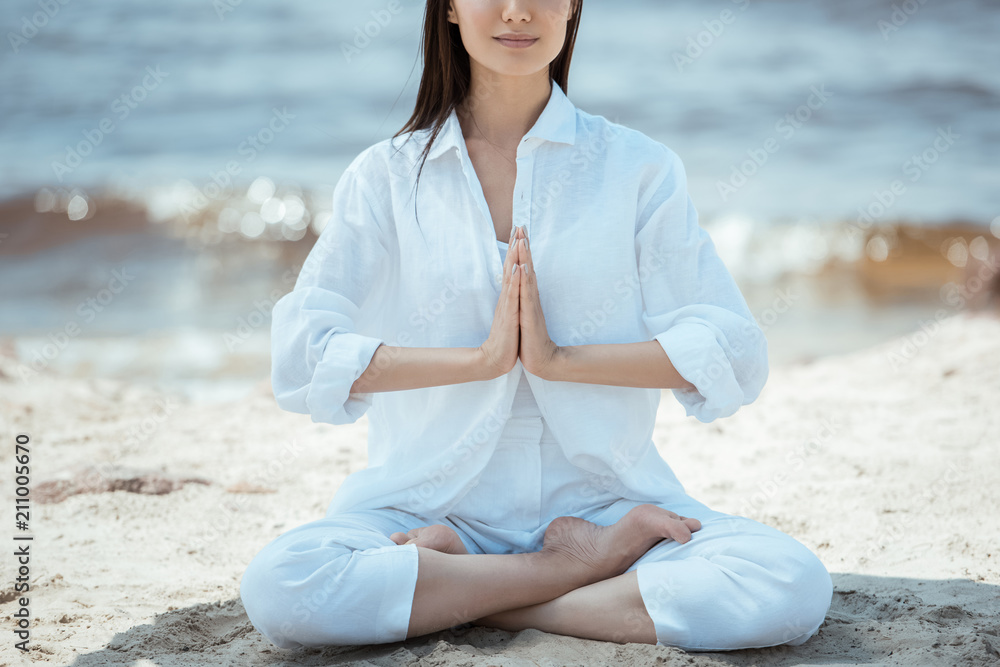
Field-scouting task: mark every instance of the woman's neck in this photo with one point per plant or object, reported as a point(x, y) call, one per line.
point(501, 109)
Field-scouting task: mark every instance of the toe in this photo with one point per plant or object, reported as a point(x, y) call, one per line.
point(692, 523)
point(399, 537)
point(436, 537)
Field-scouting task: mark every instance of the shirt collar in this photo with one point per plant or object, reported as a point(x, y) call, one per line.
point(557, 122)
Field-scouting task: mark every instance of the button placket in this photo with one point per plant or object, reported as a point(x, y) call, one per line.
point(522, 190)
point(476, 187)
point(521, 205)
point(498, 276)
point(521, 208)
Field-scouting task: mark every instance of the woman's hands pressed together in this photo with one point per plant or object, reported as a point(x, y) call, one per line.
point(537, 350)
point(501, 347)
point(518, 324)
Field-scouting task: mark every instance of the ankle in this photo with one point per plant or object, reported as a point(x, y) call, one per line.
point(565, 567)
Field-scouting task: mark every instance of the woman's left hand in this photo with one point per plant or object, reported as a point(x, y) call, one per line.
point(537, 351)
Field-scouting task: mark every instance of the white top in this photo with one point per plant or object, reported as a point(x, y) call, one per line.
point(619, 257)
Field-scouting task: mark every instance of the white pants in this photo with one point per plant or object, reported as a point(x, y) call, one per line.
point(736, 584)
point(340, 580)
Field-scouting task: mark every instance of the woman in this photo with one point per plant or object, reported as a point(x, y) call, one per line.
point(508, 324)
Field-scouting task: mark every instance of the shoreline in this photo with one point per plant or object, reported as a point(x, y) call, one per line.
point(172, 209)
point(816, 292)
point(893, 259)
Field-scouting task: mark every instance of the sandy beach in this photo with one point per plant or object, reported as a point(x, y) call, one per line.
point(146, 508)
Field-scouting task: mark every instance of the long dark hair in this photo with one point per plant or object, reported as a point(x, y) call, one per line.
point(447, 75)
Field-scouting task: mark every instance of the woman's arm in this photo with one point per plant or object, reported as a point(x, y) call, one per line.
point(620, 364)
point(397, 368)
point(323, 363)
point(692, 306)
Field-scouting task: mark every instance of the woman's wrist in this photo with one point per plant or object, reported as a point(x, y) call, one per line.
point(556, 369)
point(481, 367)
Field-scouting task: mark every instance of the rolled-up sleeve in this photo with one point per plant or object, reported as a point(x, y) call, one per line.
point(317, 351)
point(692, 305)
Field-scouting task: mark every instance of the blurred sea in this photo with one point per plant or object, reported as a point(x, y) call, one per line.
point(115, 116)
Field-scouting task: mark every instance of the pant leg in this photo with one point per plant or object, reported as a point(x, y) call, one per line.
point(736, 584)
point(339, 580)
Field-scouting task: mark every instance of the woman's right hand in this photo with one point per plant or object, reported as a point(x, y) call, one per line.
point(501, 348)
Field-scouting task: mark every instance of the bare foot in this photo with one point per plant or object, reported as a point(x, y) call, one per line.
point(601, 552)
point(437, 537)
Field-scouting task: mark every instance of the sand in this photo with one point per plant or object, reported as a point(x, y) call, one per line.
point(885, 461)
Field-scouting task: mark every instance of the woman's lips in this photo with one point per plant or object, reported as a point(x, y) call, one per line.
point(516, 43)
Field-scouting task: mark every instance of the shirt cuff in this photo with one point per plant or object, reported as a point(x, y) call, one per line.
point(345, 358)
point(696, 354)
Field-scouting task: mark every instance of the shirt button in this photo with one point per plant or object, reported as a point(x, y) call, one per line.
point(499, 277)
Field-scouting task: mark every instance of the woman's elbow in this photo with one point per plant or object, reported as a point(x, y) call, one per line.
point(751, 377)
point(291, 399)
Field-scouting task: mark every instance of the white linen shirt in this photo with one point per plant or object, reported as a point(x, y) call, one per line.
point(619, 257)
